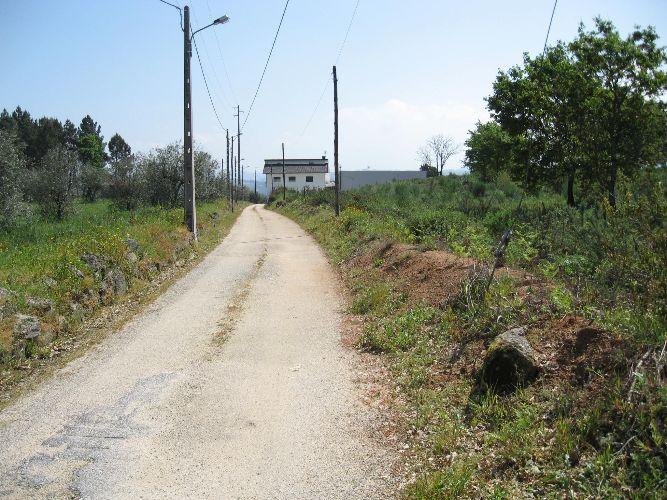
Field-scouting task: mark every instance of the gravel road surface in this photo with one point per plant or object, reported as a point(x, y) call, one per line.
point(232, 384)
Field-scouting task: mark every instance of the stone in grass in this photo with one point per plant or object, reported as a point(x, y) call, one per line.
point(4, 295)
point(509, 363)
point(42, 305)
point(114, 283)
point(133, 246)
point(27, 327)
point(97, 264)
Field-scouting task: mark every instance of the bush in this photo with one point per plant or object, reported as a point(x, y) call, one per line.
point(92, 179)
point(12, 164)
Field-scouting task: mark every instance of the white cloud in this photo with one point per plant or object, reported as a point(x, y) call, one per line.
point(388, 136)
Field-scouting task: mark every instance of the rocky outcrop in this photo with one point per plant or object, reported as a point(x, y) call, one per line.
point(510, 362)
point(41, 305)
point(113, 284)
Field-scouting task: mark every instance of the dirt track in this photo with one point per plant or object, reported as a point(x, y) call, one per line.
point(233, 384)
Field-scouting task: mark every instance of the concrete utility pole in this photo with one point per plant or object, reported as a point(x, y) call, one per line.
point(284, 187)
point(188, 155)
point(229, 181)
point(335, 81)
point(238, 144)
point(232, 186)
point(255, 184)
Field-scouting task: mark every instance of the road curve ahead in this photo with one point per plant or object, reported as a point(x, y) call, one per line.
point(233, 384)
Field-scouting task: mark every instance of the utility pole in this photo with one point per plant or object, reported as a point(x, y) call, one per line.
point(229, 183)
point(232, 186)
point(337, 185)
point(284, 188)
point(238, 144)
point(255, 184)
point(188, 171)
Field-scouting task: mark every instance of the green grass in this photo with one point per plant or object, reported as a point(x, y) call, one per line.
point(604, 264)
point(42, 259)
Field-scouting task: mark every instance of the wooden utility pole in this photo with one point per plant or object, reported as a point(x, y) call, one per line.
point(190, 211)
point(337, 184)
point(284, 187)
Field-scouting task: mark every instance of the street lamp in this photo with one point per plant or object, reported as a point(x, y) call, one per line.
point(188, 152)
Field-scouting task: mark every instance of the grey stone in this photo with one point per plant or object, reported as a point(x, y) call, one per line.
point(27, 327)
point(76, 272)
point(114, 283)
point(133, 246)
point(97, 264)
point(50, 282)
point(4, 295)
point(42, 305)
point(510, 362)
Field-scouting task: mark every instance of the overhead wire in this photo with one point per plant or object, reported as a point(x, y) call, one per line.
point(222, 58)
point(328, 81)
point(268, 59)
point(546, 40)
point(203, 74)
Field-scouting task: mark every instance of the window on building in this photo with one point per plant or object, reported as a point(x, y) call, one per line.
point(292, 179)
point(309, 178)
point(276, 179)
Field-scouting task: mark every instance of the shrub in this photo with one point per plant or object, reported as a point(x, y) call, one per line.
point(125, 183)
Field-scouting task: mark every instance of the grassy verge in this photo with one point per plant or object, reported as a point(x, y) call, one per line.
point(90, 269)
point(593, 423)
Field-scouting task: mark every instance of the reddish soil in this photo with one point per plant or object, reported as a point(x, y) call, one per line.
point(570, 349)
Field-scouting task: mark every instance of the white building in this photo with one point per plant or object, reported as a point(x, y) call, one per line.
point(299, 173)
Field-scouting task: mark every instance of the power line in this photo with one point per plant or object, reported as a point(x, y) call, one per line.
point(201, 67)
point(328, 81)
point(549, 29)
point(224, 64)
point(219, 93)
point(275, 38)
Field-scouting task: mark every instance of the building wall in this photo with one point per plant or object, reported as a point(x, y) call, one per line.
point(351, 179)
point(298, 182)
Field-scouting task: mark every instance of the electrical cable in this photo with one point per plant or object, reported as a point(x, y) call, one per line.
point(275, 38)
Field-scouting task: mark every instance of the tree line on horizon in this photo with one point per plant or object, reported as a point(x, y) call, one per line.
point(50, 163)
point(578, 116)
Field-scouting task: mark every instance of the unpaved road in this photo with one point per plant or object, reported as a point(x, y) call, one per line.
point(233, 384)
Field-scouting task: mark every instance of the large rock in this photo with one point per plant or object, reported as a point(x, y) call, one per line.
point(114, 283)
point(95, 263)
point(42, 305)
point(509, 363)
point(27, 327)
point(133, 246)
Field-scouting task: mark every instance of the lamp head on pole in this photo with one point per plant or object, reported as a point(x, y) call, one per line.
point(221, 20)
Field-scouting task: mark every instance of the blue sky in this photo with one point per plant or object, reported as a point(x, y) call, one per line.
point(409, 69)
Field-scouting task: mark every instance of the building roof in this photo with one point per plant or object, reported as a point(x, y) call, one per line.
point(297, 166)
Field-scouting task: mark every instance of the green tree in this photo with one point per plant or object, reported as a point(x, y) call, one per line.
point(70, 136)
point(12, 166)
point(430, 170)
point(118, 148)
point(489, 151)
point(125, 183)
point(628, 132)
point(54, 182)
point(48, 133)
point(162, 175)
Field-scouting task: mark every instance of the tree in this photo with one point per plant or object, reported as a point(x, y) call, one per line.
point(12, 165)
point(631, 82)
point(70, 136)
point(438, 150)
point(205, 177)
point(118, 148)
point(54, 182)
point(48, 133)
point(91, 154)
point(489, 151)
point(89, 126)
point(125, 183)
point(162, 172)
point(430, 171)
